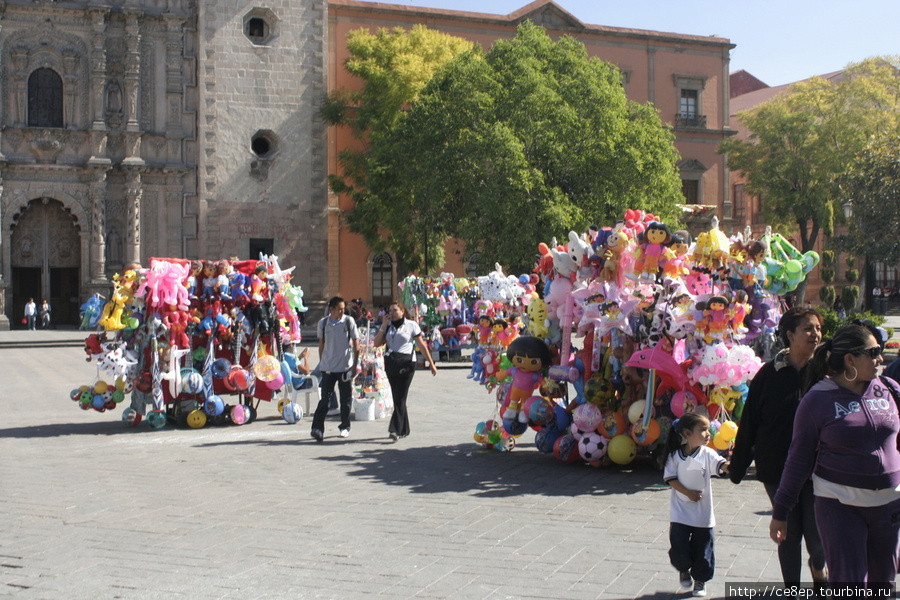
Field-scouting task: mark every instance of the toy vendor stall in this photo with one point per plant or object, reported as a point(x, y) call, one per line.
point(193, 342)
point(642, 324)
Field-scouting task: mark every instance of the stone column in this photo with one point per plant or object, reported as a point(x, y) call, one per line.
point(4, 320)
point(174, 83)
point(134, 191)
point(132, 86)
point(18, 79)
point(98, 225)
point(99, 131)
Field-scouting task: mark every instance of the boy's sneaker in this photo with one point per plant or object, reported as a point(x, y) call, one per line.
point(316, 434)
point(345, 433)
point(699, 589)
point(684, 580)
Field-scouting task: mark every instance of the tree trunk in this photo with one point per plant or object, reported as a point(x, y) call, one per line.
point(801, 293)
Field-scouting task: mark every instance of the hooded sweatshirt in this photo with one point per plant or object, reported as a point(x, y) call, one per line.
point(843, 438)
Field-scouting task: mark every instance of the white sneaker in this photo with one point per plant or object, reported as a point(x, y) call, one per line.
point(699, 589)
point(684, 580)
point(345, 433)
point(394, 437)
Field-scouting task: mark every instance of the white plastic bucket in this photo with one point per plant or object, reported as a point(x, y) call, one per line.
point(365, 409)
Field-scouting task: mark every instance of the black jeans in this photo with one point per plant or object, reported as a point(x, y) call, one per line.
point(346, 390)
point(400, 375)
point(801, 524)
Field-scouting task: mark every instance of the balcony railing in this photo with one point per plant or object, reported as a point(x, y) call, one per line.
point(690, 121)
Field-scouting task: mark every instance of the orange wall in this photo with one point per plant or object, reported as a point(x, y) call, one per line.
point(650, 57)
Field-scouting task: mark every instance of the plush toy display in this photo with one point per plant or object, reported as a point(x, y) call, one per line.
point(182, 340)
point(666, 325)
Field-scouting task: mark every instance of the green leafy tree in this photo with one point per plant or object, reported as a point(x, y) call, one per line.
point(826, 272)
point(394, 66)
point(872, 184)
point(801, 142)
point(532, 139)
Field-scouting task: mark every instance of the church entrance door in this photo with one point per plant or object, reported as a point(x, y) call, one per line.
point(45, 257)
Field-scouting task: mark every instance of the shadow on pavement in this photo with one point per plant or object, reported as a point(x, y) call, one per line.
point(63, 429)
point(488, 473)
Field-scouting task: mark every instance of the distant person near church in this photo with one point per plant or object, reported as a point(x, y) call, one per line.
point(30, 314)
point(44, 314)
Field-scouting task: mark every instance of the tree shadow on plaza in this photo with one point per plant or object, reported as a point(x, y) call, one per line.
point(51, 430)
point(489, 473)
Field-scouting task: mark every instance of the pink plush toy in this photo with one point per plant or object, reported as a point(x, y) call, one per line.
point(165, 285)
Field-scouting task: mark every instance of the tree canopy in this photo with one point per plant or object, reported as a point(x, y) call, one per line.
point(803, 140)
point(872, 185)
point(394, 65)
point(505, 149)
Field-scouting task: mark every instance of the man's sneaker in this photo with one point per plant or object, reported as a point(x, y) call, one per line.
point(345, 433)
point(394, 437)
point(316, 434)
point(699, 589)
point(684, 580)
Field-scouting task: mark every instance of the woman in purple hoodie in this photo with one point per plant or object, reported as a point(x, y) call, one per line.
point(845, 438)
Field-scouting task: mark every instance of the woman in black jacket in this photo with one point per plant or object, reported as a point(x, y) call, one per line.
point(765, 432)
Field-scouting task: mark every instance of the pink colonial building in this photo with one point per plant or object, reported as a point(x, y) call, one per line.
point(686, 77)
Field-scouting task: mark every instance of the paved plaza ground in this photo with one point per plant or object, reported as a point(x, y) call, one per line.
point(94, 510)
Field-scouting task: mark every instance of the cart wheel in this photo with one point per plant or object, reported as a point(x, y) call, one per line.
point(251, 413)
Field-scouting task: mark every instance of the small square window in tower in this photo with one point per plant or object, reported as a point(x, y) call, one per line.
point(256, 29)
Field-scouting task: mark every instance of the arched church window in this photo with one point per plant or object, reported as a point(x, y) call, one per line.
point(45, 98)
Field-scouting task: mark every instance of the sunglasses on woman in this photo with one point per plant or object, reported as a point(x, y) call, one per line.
point(873, 352)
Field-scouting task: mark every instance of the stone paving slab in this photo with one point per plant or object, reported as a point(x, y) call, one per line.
point(95, 510)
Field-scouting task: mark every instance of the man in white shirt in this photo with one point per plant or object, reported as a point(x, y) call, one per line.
point(30, 313)
point(338, 357)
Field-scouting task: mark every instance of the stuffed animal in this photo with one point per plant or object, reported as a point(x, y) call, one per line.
point(529, 356)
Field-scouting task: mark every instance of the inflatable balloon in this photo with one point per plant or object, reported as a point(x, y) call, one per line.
point(592, 447)
point(566, 448)
point(196, 419)
point(587, 417)
point(622, 449)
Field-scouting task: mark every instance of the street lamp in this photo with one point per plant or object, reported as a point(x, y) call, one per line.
point(848, 209)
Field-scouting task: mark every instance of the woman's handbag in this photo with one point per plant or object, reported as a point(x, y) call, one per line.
point(398, 364)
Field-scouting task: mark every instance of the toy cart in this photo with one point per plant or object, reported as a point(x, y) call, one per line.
point(371, 391)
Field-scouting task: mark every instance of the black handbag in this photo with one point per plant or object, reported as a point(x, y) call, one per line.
point(399, 364)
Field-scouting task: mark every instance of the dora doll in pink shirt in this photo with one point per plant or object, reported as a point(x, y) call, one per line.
point(529, 357)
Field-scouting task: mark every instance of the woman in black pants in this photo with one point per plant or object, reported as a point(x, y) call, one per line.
point(398, 333)
point(765, 432)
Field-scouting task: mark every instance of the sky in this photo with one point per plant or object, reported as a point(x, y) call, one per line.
point(778, 41)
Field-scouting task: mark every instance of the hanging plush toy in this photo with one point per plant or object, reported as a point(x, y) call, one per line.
point(616, 243)
point(653, 245)
point(529, 356)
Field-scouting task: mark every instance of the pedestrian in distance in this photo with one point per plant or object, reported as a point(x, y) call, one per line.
point(398, 333)
point(44, 315)
point(30, 314)
point(338, 358)
point(845, 438)
point(690, 465)
point(764, 436)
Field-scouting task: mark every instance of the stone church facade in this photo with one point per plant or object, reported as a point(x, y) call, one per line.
point(157, 128)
